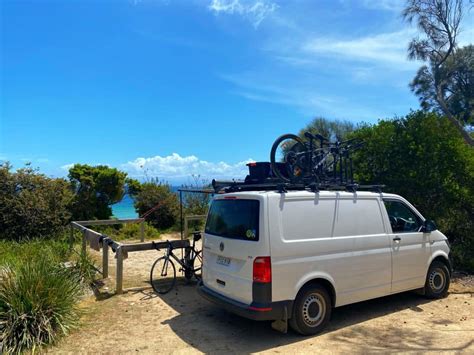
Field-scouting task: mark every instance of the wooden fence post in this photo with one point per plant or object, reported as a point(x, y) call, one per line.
point(119, 272)
point(105, 260)
point(142, 231)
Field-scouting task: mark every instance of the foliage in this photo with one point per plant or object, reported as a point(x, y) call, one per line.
point(32, 205)
point(18, 253)
point(38, 303)
point(129, 231)
point(423, 158)
point(133, 186)
point(446, 82)
point(157, 195)
point(96, 188)
point(458, 74)
point(196, 203)
point(332, 129)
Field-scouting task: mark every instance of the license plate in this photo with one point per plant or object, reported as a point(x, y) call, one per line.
point(223, 261)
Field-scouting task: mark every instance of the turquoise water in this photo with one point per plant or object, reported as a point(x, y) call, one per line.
point(124, 209)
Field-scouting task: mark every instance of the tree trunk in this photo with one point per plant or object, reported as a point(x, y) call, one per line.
point(466, 136)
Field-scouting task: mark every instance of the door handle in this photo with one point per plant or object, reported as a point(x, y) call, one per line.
point(397, 239)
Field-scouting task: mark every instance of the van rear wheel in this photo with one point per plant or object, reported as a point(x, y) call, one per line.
point(311, 311)
point(437, 280)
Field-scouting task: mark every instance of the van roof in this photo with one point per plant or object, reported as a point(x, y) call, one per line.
point(306, 193)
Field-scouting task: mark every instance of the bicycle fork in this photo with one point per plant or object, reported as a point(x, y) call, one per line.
point(164, 271)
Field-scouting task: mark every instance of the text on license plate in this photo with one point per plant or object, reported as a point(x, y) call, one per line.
point(223, 261)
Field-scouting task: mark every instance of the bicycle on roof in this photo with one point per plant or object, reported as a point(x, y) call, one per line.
point(316, 160)
point(163, 271)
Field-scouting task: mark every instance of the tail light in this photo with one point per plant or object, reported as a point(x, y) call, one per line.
point(262, 269)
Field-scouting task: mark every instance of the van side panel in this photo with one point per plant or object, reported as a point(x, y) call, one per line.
point(343, 238)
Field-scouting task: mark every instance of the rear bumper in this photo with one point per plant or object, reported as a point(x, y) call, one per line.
point(255, 311)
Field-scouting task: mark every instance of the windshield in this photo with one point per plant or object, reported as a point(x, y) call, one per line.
point(235, 219)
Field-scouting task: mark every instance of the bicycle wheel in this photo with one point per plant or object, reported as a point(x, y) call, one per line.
point(197, 265)
point(290, 150)
point(163, 275)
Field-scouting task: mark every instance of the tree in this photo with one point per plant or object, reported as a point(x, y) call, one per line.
point(332, 129)
point(196, 203)
point(96, 188)
point(32, 205)
point(423, 159)
point(157, 196)
point(460, 70)
point(446, 82)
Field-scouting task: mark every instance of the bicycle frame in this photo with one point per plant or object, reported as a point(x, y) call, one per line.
point(182, 262)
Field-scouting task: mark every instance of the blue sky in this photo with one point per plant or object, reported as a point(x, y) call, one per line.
point(195, 86)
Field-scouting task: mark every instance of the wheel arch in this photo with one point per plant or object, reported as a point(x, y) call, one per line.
point(441, 257)
point(323, 280)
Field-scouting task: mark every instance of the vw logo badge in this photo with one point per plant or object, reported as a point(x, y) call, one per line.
point(221, 246)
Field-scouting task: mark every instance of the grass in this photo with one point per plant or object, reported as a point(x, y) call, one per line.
point(38, 303)
point(39, 293)
point(128, 231)
point(17, 253)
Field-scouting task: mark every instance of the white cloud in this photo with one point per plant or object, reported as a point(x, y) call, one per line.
point(385, 49)
point(254, 11)
point(67, 166)
point(177, 167)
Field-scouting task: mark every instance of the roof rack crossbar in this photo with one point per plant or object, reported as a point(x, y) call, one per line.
point(235, 186)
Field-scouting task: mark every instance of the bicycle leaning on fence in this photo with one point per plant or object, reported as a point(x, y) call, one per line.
point(163, 271)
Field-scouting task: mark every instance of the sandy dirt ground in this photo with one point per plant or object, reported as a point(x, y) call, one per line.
point(182, 322)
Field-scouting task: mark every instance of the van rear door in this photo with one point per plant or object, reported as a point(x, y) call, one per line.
point(235, 234)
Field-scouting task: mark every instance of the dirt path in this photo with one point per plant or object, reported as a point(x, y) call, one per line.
point(182, 322)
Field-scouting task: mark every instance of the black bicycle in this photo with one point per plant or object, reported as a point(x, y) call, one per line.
point(315, 160)
point(163, 271)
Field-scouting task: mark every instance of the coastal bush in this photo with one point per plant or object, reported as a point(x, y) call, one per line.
point(38, 303)
point(424, 158)
point(55, 250)
point(32, 205)
point(158, 195)
point(96, 188)
point(196, 203)
point(129, 231)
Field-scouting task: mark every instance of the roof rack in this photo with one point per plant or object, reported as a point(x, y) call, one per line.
point(236, 186)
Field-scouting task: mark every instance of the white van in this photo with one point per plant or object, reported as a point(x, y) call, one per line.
point(296, 255)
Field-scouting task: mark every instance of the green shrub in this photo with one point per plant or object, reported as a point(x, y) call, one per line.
point(17, 253)
point(96, 189)
point(158, 195)
point(32, 205)
point(196, 203)
point(38, 304)
point(128, 231)
point(424, 158)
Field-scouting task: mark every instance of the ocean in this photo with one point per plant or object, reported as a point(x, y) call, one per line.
point(124, 209)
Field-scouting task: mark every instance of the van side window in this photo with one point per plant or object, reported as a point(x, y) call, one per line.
point(402, 219)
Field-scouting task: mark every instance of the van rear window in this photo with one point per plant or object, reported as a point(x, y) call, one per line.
point(234, 219)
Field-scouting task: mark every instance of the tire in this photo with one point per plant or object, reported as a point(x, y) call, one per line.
point(437, 280)
point(311, 311)
point(275, 146)
point(197, 265)
point(162, 283)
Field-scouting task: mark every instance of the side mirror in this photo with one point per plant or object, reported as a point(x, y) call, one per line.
point(428, 226)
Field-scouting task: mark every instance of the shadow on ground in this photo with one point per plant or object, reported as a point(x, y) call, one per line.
point(211, 329)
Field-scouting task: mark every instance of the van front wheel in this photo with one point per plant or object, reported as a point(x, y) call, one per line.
point(311, 311)
point(437, 281)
